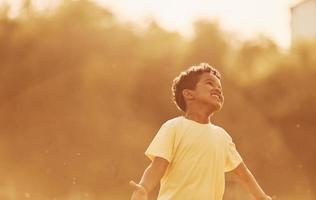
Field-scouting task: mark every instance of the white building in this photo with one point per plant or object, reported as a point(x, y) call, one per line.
point(303, 23)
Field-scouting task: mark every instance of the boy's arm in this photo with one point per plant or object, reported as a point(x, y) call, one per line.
point(151, 177)
point(249, 181)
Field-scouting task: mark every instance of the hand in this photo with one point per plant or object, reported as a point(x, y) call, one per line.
point(139, 193)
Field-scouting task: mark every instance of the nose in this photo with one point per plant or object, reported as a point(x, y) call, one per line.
point(218, 90)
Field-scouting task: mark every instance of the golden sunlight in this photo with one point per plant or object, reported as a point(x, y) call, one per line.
point(245, 18)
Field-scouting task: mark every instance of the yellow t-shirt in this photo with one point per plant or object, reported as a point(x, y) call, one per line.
point(198, 156)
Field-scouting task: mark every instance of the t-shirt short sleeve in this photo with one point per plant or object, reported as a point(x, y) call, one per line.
point(233, 158)
point(163, 143)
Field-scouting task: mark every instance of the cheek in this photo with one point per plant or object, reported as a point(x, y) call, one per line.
point(205, 92)
point(206, 89)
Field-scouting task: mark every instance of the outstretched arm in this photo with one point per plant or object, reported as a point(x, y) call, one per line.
point(249, 181)
point(151, 177)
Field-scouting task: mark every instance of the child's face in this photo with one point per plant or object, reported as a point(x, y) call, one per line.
point(209, 91)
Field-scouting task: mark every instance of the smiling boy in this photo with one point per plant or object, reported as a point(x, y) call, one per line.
point(189, 154)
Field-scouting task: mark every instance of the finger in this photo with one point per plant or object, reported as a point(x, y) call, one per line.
point(133, 184)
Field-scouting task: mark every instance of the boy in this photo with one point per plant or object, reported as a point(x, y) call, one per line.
point(189, 154)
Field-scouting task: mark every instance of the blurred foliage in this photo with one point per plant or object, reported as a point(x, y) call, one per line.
point(83, 94)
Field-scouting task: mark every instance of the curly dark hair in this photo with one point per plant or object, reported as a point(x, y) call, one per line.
point(188, 80)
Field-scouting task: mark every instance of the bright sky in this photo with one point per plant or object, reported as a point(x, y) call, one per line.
point(246, 18)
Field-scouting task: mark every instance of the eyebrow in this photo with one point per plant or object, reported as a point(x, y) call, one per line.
point(209, 80)
point(213, 81)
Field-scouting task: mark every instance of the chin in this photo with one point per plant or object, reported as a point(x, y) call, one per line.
point(216, 107)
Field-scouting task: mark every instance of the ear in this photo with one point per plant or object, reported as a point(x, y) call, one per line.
point(188, 94)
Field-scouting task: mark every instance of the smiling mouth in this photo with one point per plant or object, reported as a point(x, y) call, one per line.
point(217, 96)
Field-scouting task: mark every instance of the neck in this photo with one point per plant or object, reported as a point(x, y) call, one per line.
point(199, 116)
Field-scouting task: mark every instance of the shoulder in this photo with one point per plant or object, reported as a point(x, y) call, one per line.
point(174, 122)
point(169, 127)
point(223, 132)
